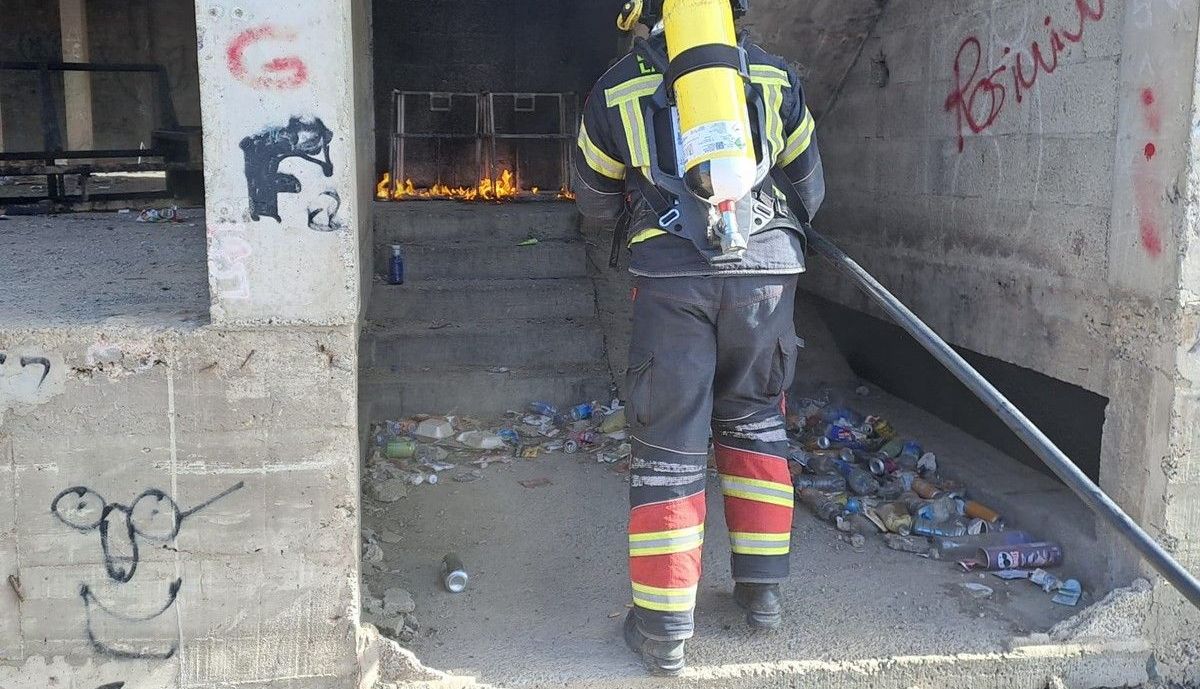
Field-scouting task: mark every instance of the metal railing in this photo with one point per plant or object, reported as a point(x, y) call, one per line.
point(448, 116)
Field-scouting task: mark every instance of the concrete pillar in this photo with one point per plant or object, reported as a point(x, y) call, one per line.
point(286, 202)
point(77, 86)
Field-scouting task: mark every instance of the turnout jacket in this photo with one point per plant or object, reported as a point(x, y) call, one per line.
point(614, 145)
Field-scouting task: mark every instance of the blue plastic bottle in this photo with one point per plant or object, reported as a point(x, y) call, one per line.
point(396, 267)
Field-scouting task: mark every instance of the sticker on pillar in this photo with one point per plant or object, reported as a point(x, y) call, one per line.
point(306, 138)
point(121, 621)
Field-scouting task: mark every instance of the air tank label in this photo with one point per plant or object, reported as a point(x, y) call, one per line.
point(713, 140)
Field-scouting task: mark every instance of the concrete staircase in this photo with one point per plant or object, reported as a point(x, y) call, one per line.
point(480, 325)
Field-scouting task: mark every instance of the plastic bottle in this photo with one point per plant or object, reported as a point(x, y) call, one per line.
point(821, 504)
point(396, 266)
point(543, 409)
point(939, 510)
point(895, 518)
point(582, 412)
point(823, 462)
point(826, 483)
point(907, 544)
point(860, 482)
point(929, 529)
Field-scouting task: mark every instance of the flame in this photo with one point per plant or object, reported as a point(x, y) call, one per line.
point(504, 188)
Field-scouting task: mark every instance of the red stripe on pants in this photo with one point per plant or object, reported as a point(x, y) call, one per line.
point(676, 570)
point(668, 516)
point(748, 464)
point(751, 516)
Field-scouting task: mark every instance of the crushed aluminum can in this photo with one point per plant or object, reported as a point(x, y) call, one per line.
point(931, 529)
point(882, 465)
point(1011, 574)
point(1044, 579)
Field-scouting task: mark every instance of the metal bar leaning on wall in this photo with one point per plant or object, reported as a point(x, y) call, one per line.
point(1062, 466)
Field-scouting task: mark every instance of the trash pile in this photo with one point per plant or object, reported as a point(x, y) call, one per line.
point(422, 449)
point(858, 474)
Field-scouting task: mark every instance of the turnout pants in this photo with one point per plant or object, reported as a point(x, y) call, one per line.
point(710, 357)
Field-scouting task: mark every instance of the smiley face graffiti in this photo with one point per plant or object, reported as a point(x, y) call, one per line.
point(152, 517)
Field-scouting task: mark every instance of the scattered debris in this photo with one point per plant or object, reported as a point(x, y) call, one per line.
point(536, 482)
point(977, 590)
point(14, 583)
point(390, 490)
point(159, 215)
point(857, 473)
point(532, 241)
point(372, 553)
point(435, 429)
point(397, 601)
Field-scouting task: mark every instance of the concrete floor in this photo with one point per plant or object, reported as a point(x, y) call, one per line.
point(103, 268)
point(548, 588)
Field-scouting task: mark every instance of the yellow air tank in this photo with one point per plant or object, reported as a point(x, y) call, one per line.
point(717, 146)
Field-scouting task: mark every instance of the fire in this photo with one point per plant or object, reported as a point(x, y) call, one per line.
point(504, 188)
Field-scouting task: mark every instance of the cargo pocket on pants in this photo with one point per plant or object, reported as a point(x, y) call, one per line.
point(637, 391)
point(783, 368)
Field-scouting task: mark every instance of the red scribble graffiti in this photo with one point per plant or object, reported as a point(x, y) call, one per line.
point(286, 72)
point(978, 101)
point(1146, 199)
point(1151, 110)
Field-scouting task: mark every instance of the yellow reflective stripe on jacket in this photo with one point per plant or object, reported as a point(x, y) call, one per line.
point(745, 543)
point(597, 159)
point(773, 81)
point(646, 234)
point(757, 490)
point(769, 74)
point(626, 97)
point(799, 141)
point(666, 542)
point(664, 600)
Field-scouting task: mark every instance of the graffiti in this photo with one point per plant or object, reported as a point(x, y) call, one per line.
point(153, 517)
point(323, 213)
point(303, 138)
point(1146, 198)
point(112, 685)
point(285, 72)
point(227, 263)
point(31, 361)
point(978, 100)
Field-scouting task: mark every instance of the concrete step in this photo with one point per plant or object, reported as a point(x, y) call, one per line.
point(469, 261)
point(475, 391)
point(480, 301)
point(515, 344)
point(429, 222)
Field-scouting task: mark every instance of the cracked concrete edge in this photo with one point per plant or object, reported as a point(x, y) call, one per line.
point(1104, 645)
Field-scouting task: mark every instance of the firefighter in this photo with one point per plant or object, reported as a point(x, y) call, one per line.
point(713, 344)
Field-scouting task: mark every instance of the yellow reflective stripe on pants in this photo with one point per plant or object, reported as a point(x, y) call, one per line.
point(664, 600)
point(597, 159)
point(666, 542)
point(760, 543)
point(757, 490)
point(799, 141)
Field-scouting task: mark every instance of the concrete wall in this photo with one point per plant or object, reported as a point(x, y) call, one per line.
point(1039, 216)
point(258, 587)
point(283, 190)
point(31, 34)
point(526, 45)
point(181, 506)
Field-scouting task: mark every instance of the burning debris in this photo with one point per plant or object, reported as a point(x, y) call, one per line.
point(506, 187)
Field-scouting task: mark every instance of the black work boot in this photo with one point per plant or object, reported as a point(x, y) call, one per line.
point(762, 602)
point(661, 657)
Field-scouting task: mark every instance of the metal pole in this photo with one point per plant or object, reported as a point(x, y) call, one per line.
point(1031, 435)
